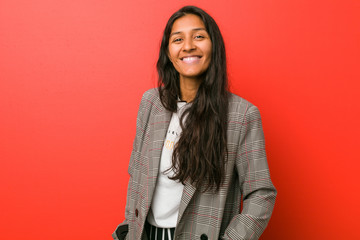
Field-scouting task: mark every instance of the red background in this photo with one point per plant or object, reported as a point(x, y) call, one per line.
point(72, 73)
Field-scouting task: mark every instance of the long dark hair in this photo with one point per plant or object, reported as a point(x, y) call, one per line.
point(201, 152)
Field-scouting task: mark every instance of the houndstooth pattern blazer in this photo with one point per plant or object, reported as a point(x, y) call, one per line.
point(204, 215)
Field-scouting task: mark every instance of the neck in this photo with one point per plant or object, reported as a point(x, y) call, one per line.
point(189, 88)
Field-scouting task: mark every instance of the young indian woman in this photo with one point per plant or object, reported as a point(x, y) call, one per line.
point(198, 168)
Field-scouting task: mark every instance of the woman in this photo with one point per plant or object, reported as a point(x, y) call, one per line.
point(199, 150)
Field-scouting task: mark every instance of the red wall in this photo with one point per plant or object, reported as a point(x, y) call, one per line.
point(72, 73)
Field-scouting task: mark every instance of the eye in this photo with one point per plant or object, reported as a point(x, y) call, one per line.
point(177, 40)
point(199, 36)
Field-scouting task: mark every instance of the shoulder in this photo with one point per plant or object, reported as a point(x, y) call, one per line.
point(243, 112)
point(150, 101)
point(240, 105)
point(151, 94)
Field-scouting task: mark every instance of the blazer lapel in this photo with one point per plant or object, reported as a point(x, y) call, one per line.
point(159, 127)
point(188, 193)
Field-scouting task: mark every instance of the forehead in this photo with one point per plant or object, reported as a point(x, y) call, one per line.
point(187, 23)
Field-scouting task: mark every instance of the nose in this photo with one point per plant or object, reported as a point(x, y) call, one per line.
point(189, 45)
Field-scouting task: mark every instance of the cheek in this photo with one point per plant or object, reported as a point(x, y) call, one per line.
point(209, 50)
point(208, 58)
point(172, 54)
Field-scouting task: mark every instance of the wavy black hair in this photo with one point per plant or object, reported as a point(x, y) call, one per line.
point(201, 152)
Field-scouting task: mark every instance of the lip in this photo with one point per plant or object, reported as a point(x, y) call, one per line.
point(190, 59)
point(190, 56)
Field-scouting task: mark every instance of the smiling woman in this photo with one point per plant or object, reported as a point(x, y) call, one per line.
point(199, 150)
point(190, 51)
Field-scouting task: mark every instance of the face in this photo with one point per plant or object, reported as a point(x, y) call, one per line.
point(190, 47)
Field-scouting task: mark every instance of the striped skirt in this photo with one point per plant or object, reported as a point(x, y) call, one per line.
point(155, 233)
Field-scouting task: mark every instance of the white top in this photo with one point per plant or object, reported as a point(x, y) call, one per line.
point(167, 196)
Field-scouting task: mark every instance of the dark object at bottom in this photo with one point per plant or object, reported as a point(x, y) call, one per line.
point(122, 231)
point(155, 233)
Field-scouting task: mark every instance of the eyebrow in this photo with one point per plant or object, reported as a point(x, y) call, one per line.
point(193, 30)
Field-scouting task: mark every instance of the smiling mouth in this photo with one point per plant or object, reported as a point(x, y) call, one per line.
point(192, 59)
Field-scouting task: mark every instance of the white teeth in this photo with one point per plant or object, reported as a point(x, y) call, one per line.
point(190, 59)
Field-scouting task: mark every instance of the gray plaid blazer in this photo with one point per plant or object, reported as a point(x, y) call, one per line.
point(206, 215)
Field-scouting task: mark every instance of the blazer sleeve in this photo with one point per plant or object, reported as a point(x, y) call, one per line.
point(257, 190)
point(141, 124)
